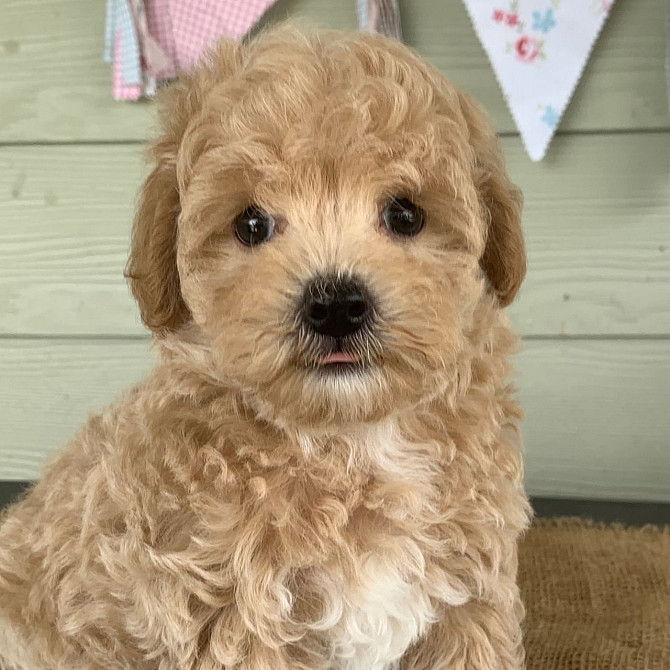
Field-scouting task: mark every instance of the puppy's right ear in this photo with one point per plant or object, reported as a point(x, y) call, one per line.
point(152, 266)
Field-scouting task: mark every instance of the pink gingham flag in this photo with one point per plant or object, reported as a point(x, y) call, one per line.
point(159, 25)
point(168, 36)
point(198, 24)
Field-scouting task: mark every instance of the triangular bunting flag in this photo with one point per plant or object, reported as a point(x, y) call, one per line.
point(538, 49)
point(150, 41)
point(198, 24)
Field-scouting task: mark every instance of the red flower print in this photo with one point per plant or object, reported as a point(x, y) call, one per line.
point(527, 48)
point(498, 15)
point(512, 20)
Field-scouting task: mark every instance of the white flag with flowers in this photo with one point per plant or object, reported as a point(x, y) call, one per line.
point(538, 50)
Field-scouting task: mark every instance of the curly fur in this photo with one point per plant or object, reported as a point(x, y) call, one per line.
point(238, 510)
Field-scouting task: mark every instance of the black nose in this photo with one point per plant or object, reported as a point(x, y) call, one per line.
point(336, 307)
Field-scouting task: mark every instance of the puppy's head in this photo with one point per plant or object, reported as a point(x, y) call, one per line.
point(328, 212)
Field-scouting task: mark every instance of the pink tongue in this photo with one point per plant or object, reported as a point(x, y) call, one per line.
point(337, 357)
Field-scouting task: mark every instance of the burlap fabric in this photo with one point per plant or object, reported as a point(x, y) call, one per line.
point(597, 596)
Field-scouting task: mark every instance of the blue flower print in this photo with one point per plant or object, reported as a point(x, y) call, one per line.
point(550, 116)
point(544, 22)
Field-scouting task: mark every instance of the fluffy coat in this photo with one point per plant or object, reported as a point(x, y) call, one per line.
point(238, 509)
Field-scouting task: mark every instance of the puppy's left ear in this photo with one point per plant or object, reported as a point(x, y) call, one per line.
point(504, 257)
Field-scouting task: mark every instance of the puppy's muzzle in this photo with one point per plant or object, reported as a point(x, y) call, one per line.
point(336, 307)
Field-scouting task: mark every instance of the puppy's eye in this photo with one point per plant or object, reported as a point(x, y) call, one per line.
point(402, 217)
point(254, 226)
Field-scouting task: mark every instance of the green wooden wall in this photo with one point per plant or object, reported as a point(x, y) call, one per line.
point(594, 314)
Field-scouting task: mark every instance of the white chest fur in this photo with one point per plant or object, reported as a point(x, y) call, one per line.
point(372, 619)
point(382, 614)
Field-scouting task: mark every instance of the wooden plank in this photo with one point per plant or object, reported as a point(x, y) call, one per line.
point(54, 85)
point(597, 422)
point(64, 240)
point(48, 387)
point(597, 223)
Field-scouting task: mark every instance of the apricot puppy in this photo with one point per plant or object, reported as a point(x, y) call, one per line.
point(322, 471)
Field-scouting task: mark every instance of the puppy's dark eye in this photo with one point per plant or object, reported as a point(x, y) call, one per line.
point(402, 217)
point(254, 226)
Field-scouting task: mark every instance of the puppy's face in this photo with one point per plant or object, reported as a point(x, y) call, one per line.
point(329, 213)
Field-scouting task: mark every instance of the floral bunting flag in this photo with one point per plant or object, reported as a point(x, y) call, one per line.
point(538, 50)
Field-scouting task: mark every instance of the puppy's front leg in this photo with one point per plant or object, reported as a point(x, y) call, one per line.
point(28, 637)
point(474, 636)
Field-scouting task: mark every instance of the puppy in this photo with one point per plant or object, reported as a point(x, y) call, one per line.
point(322, 471)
